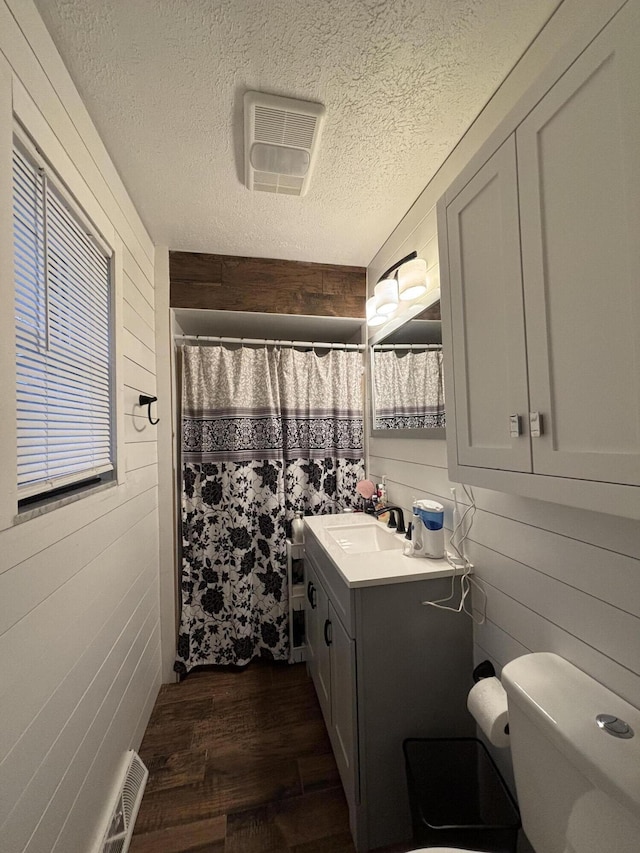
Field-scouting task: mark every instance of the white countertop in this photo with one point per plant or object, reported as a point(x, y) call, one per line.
point(372, 568)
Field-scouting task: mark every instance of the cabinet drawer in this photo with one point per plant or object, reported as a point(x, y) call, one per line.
point(339, 593)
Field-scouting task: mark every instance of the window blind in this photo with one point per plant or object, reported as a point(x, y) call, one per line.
point(63, 351)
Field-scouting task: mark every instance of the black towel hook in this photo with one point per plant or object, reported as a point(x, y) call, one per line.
point(146, 400)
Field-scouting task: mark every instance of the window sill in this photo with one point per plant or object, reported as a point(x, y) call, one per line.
point(46, 506)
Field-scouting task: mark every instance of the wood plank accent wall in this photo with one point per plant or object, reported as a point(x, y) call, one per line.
point(230, 283)
point(432, 312)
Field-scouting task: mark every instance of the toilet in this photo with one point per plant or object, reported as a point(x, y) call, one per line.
point(576, 757)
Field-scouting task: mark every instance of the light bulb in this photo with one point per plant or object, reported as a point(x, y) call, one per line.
point(373, 318)
point(386, 295)
point(412, 279)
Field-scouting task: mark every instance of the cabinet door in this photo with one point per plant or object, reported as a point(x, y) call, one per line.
point(579, 176)
point(319, 651)
point(343, 707)
point(487, 322)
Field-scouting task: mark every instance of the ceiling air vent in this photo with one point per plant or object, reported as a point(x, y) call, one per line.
point(281, 138)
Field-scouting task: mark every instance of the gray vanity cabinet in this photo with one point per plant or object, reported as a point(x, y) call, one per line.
point(385, 668)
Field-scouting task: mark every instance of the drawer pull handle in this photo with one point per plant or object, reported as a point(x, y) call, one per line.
point(311, 595)
point(327, 635)
point(535, 424)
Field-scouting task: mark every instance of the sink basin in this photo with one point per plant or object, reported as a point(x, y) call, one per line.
point(364, 552)
point(364, 538)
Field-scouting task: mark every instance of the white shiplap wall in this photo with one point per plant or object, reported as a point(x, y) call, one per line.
point(79, 609)
point(557, 578)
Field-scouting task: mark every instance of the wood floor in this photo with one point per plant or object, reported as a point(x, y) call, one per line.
point(240, 762)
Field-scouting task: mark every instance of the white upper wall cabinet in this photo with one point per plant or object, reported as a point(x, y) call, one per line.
point(569, 278)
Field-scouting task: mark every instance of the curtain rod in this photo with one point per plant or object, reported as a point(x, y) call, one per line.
point(269, 342)
point(406, 346)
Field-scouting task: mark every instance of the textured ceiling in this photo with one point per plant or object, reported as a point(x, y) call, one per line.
point(401, 81)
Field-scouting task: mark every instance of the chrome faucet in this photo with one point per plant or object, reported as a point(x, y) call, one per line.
point(392, 510)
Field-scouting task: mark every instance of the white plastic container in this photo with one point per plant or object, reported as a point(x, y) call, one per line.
point(428, 533)
point(297, 529)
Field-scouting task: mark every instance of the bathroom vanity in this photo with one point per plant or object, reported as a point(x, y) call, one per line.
point(384, 666)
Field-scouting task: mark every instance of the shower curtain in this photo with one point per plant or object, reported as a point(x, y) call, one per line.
point(266, 432)
point(409, 389)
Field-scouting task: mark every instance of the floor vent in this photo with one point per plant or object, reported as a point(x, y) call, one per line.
point(123, 817)
point(281, 138)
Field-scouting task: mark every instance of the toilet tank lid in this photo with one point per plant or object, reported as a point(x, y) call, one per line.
point(563, 702)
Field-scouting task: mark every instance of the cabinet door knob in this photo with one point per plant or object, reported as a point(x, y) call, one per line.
point(535, 424)
point(327, 634)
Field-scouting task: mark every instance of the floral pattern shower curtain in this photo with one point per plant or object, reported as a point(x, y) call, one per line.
point(409, 389)
point(265, 433)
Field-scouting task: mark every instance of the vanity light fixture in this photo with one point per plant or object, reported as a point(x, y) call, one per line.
point(406, 280)
point(373, 318)
point(412, 279)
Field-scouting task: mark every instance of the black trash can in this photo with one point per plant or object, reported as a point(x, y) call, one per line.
point(458, 797)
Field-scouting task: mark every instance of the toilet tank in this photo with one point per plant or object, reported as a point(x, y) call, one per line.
point(578, 786)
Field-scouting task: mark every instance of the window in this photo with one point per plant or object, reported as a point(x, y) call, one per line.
point(63, 339)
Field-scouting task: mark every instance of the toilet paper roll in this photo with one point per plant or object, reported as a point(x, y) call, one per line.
point(487, 702)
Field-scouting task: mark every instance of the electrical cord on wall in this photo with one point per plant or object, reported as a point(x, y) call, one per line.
point(461, 529)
